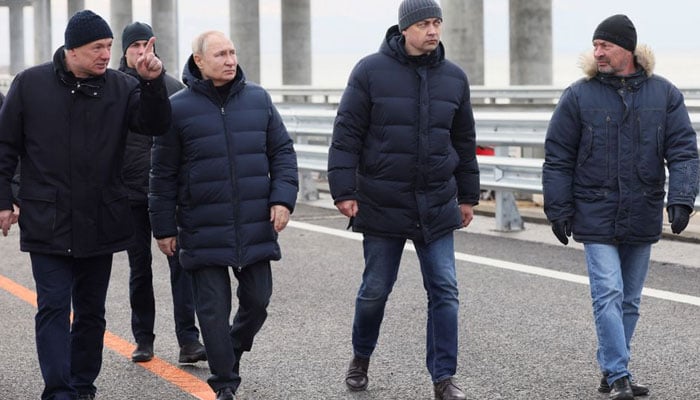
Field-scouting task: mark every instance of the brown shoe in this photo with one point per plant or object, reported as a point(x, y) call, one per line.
point(447, 390)
point(356, 377)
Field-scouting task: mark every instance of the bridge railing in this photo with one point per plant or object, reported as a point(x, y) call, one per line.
point(313, 130)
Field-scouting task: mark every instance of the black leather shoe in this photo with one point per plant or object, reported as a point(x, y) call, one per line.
point(637, 389)
point(356, 377)
point(143, 352)
point(621, 389)
point(192, 352)
point(447, 390)
point(225, 394)
point(86, 396)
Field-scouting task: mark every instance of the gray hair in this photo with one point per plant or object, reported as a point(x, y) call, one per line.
point(199, 43)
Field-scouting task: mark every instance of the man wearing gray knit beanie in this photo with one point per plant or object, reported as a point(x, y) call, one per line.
point(402, 166)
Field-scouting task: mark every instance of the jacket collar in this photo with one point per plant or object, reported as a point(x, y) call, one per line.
point(643, 56)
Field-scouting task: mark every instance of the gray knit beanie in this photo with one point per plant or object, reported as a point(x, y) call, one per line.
point(412, 11)
point(135, 32)
point(617, 29)
point(85, 27)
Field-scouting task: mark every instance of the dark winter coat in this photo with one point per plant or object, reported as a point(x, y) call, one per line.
point(404, 144)
point(70, 135)
point(218, 171)
point(137, 158)
point(605, 150)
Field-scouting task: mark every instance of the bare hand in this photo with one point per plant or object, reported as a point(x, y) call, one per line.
point(167, 245)
point(7, 218)
point(467, 211)
point(148, 66)
point(279, 216)
point(347, 207)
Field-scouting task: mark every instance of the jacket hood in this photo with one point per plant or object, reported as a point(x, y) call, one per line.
point(643, 57)
point(126, 69)
point(394, 46)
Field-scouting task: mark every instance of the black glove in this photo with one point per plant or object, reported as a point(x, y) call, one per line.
point(562, 229)
point(678, 216)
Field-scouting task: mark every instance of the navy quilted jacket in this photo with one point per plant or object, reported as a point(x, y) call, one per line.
point(217, 172)
point(404, 144)
point(607, 144)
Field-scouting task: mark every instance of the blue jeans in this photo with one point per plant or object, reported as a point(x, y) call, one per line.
point(437, 263)
point(617, 274)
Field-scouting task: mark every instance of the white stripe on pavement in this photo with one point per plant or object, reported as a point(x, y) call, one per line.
point(491, 262)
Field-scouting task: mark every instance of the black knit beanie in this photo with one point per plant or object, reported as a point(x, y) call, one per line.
point(85, 27)
point(412, 11)
point(617, 29)
point(135, 32)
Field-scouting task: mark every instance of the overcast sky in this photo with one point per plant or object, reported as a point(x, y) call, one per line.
point(345, 30)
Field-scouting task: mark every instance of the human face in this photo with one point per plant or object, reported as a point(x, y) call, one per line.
point(613, 59)
point(134, 51)
point(91, 59)
point(423, 37)
point(219, 61)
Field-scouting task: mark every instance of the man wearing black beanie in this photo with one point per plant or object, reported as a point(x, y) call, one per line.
point(66, 121)
point(603, 178)
point(137, 163)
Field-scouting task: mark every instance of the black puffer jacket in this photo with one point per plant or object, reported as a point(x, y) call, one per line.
point(218, 171)
point(137, 158)
point(404, 144)
point(70, 136)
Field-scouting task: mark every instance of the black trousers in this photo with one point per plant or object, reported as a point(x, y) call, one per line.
point(225, 342)
point(70, 354)
point(143, 307)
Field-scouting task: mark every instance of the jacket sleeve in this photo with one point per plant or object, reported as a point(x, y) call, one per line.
point(463, 136)
point(681, 153)
point(349, 129)
point(150, 108)
point(284, 177)
point(11, 144)
point(561, 149)
point(163, 184)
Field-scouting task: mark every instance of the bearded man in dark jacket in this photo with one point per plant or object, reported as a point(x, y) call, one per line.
point(607, 145)
point(402, 165)
point(137, 164)
point(67, 122)
point(223, 184)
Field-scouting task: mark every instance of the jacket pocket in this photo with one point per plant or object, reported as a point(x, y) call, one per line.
point(37, 218)
point(114, 218)
point(650, 148)
point(593, 158)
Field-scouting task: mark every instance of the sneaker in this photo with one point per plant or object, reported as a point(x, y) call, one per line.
point(637, 389)
point(447, 390)
point(143, 352)
point(356, 377)
point(192, 352)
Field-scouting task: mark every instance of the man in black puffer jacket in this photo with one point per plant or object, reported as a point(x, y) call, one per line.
point(223, 184)
point(137, 164)
point(67, 122)
point(402, 165)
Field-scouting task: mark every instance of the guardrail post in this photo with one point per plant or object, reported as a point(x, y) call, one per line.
point(508, 217)
point(308, 189)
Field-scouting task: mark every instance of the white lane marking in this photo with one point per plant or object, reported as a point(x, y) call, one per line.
point(491, 262)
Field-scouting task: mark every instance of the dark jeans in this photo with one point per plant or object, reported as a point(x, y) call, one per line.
point(225, 342)
point(143, 307)
point(70, 355)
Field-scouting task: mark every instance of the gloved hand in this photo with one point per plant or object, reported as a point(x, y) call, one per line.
point(562, 229)
point(678, 216)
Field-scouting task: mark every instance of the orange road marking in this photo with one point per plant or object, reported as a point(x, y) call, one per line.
point(182, 379)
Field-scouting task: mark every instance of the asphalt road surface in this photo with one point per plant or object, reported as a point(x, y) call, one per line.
point(526, 330)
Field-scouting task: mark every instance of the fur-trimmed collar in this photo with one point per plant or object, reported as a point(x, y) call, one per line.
point(643, 57)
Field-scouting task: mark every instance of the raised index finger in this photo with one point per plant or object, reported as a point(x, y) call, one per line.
point(149, 45)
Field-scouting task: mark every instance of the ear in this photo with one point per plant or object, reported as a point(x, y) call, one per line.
point(198, 60)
